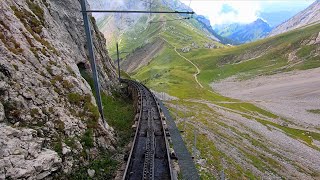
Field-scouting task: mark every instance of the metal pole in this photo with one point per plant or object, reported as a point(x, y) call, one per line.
point(92, 58)
point(185, 119)
point(118, 60)
point(195, 144)
point(195, 139)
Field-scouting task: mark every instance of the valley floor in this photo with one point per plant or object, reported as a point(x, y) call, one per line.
point(293, 95)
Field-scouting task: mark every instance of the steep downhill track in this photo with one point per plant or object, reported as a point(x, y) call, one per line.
point(149, 156)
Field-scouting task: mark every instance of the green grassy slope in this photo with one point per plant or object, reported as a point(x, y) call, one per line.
point(170, 71)
point(219, 64)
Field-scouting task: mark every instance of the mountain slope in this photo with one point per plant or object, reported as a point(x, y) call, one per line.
point(222, 122)
point(183, 33)
point(49, 123)
point(244, 33)
point(310, 15)
point(234, 139)
point(114, 26)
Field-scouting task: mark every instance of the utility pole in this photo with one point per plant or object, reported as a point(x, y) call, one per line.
point(185, 119)
point(92, 58)
point(118, 59)
point(195, 143)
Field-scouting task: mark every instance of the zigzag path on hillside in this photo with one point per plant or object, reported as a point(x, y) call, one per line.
point(198, 70)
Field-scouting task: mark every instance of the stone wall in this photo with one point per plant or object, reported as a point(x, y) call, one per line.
point(48, 116)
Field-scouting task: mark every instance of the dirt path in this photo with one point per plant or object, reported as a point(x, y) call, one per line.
point(198, 70)
point(288, 94)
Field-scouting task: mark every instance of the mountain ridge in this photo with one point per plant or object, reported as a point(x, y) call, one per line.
point(244, 33)
point(311, 15)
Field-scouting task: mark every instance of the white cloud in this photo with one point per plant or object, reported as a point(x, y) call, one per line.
point(245, 11)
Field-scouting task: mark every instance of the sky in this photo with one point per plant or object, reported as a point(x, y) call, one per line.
point(243, 11)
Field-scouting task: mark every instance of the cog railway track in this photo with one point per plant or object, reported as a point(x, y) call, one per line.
point(149, 157)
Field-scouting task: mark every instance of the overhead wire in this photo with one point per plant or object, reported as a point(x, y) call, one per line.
point(176, 19)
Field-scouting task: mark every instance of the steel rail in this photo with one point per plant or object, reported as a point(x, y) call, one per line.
point(149, 105)
point(139, 94)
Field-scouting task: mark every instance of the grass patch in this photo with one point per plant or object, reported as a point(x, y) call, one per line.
point(104, 166)
point(87, 139)
point(303, 135)
point(37, 10)
point(118, 111)
point(314, 111)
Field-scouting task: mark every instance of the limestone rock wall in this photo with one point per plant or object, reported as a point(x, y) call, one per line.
point(311, 15)
point(48, 116)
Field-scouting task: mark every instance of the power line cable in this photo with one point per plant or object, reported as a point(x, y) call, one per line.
point(178, 19)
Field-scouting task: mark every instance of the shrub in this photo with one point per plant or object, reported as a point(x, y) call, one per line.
point(32, 24)
point(28, 39)
point(55, 79)
point(87, 139)
point(34, 112)
point(36, 9)
point(59, 125)
point(49, 69)
point(93, 113)
point(66, 84)
point(8, 41)
point(75, 98)
point(35, 52)
point(104, 166)
point(70, 142)
point(16, 67)
point(57, 146)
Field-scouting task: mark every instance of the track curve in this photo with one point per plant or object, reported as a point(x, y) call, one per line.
point(149, 156)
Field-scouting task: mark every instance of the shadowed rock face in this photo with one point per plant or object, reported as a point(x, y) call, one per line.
point(44, 101)
point(311, 15)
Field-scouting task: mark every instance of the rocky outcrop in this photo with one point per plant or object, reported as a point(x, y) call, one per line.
point(49, 122)
point(311, 15)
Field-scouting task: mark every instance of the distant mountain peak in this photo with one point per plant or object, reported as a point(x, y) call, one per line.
point(260, 20)
point(244, 33)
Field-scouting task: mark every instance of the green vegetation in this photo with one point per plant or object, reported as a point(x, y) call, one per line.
point(118, 111)
point(70, 142)
point(11, 44)
point(37, 10)
point(67, 85)
point(104, 167)
point(34, 112)
point(55, 79)
point(57, 146)
point(59, 125)
point(170, 73)
point(87, 138)
point(33, 25)
point(315, 111)
point(303, 135)
point(16, 67)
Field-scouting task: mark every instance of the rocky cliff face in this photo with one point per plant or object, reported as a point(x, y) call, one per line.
point(49, 122)
point(311, 15)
